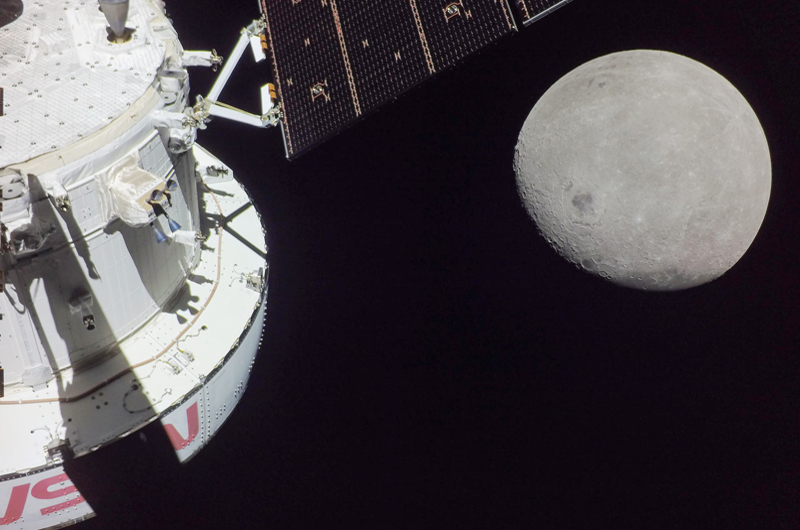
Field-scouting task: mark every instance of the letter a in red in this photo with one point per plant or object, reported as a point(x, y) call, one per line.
point(178, 441)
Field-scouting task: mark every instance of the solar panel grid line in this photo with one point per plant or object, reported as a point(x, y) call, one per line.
point(315, 89)
point(423, 40)
point(460, 28)
point(524, 12)
point(345, 58)
point(533, 10)
point(337, 60)
point(387, 55)
point(507, 13)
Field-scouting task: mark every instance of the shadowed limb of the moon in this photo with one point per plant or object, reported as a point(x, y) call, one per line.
point(646, 168)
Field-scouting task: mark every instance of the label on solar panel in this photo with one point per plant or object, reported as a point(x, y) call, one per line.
point(532, 10)
point(335, 61)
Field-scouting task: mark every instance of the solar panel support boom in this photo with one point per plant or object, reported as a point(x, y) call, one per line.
point(210, 106)
point(232, 113)
point(202, 58)
point(249, 35)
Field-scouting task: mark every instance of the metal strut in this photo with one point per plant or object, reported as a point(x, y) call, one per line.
point(271, 112)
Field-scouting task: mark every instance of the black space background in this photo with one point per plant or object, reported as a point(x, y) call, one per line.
point(429, 362)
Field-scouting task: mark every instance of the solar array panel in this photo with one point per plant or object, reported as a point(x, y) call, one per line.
point(532, 10)
point(337, 60)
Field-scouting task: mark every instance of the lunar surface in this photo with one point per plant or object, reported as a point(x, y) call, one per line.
point(646, 168)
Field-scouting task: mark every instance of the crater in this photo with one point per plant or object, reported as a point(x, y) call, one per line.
point(583, 202)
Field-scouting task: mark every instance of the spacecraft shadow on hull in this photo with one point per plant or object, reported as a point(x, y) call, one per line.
point(67, 279)
point(222, 222)
point(119, 311)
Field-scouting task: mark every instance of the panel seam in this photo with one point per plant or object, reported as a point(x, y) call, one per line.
point(506, 8)
point(350, 79)
point(277, 78)
point(422, 37)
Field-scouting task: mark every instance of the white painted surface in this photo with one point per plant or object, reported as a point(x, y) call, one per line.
point(63, 80)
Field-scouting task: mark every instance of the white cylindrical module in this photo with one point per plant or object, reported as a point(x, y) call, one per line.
point(104, 325)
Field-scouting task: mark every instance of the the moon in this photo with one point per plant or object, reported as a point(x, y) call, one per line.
point(646, 168)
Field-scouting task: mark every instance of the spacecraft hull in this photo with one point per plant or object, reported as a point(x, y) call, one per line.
point(188, 367)
point(134, 263)
point(190, 425)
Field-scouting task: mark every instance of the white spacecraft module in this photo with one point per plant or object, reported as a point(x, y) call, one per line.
point(133, 265)
point(133, 278)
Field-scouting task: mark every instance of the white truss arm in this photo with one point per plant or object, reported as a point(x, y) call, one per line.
point(230, 64)
point(201, 58)
point(231, 113)
point(249, 35)
point(270, 108)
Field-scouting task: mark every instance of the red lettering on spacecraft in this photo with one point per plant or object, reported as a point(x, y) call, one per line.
point(16, 504)
point(178, 441)
point(41, 490)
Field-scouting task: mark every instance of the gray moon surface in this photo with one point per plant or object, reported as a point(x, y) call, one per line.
point(646, 168)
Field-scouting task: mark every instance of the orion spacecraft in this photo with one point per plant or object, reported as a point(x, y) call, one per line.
point(133, 263)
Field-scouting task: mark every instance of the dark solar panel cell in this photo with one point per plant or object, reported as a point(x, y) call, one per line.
point(456, 29)
point(336, 60)
point(532, 10)
point(312, 78)
point(384, 49)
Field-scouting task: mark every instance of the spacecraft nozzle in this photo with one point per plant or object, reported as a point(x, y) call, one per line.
point(116, 12)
